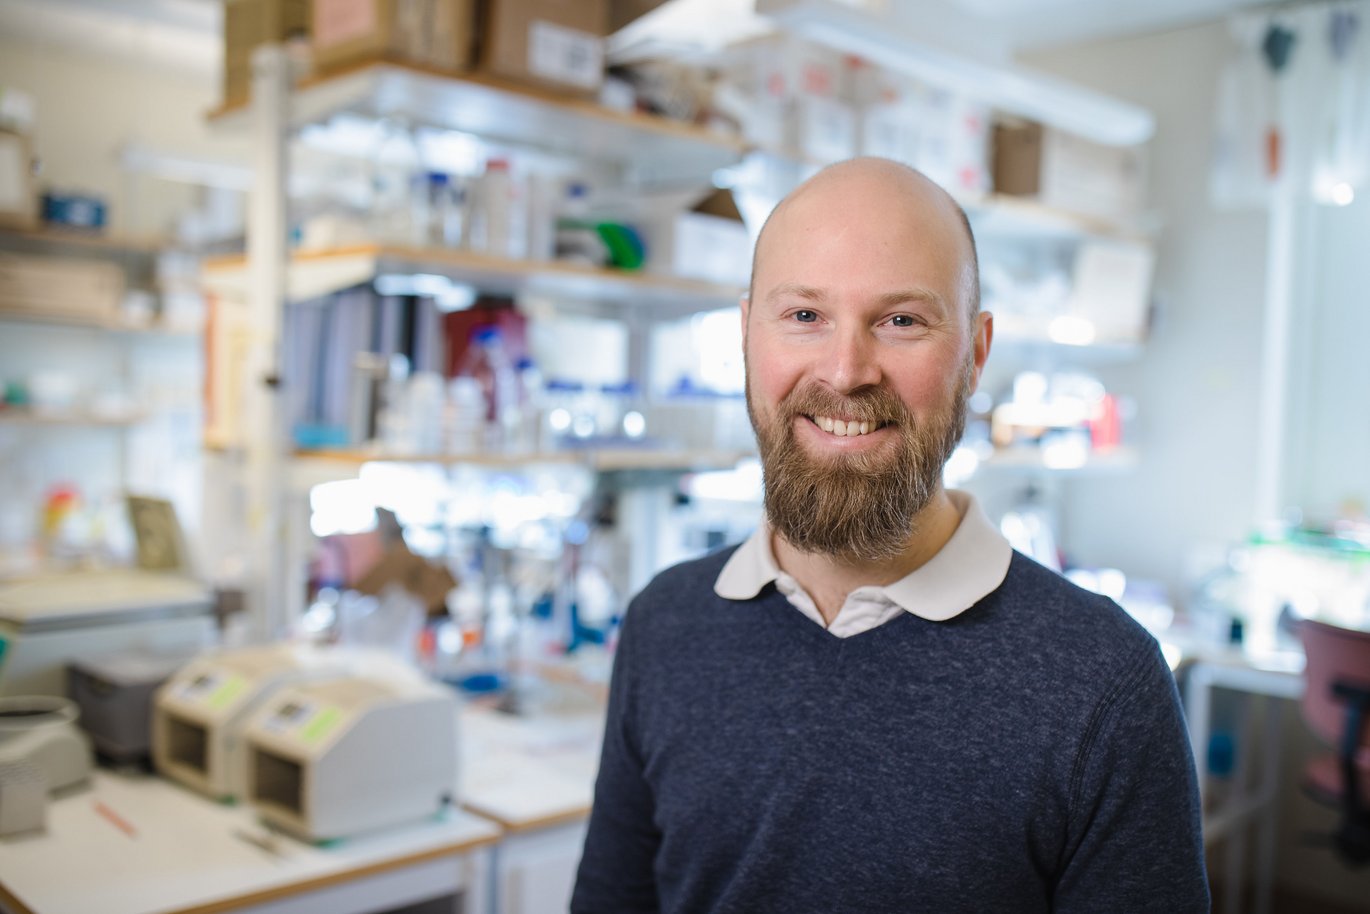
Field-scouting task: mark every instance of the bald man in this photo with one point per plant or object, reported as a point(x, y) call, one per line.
point(874, 704)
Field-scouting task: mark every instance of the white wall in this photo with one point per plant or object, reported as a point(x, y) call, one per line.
point(1197, 386)
point(91, 105)
point(1330, 422)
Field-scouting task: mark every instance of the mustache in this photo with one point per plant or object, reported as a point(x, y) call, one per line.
point(867, 404)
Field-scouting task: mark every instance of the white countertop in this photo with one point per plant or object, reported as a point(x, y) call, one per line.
point(181, 852)
point(528, 773)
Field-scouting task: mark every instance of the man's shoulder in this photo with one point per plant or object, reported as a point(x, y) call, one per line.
point(687, 581)
point(1067, 614)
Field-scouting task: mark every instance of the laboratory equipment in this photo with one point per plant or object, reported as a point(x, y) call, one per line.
point(199, 713)
point(40, 731)
point(47, 621)
point(114, 692)
point(333, 758)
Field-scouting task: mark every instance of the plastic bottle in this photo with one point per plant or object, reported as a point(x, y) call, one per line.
point(543, 204)
point(464, 421)
point(532, 397)
point(396, 162)
point(494, 217)
point(576, 237)
point(439, 205)
point(488, 362)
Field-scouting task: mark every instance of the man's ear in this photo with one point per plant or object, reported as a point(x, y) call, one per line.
point(982, 335)
point(745, 304)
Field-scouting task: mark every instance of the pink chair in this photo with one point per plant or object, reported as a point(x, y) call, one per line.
point(1336, 707)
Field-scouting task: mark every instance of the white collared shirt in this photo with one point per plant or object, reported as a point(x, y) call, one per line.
point(971, 565)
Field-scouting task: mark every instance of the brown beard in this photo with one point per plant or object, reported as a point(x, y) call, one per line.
point(854, 506)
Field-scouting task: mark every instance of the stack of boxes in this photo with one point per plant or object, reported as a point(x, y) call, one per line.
point(552, 44)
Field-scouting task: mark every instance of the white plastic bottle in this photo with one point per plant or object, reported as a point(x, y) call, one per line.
point(492, 225)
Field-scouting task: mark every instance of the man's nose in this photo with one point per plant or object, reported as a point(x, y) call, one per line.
point(850, 361)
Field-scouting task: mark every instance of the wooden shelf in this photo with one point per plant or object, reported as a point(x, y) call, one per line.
point(1107, 353)
point(14, 415)
point(91, 322)
point(997, 216)
point(87, 240)
point(1114, 460)
point(504, 112)
point(315, 273)
point(599, 459)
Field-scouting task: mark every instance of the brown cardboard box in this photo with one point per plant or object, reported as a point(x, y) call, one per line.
point(622, 12)
point(1068, 172)
point(18, 191)
point(556, 44)
point(249, 24)
point(60, 287)
point(435, 33)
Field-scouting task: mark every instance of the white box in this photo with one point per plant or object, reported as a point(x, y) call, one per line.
point(709, 242)
point(824, 130)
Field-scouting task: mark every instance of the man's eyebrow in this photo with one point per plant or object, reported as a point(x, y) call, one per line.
point(808, 293)
point(917, 294)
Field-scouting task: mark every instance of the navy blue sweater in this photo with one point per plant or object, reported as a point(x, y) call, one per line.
point(1027, 755)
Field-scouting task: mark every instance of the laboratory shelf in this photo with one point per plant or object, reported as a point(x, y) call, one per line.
point(596, 458)
point(999, 216)
point(503, 112)
point(309, 468)
point(1031, 460)
point(83, 239)
point(319, 272)
point(92, 322)
point(1028, 344)
point(14, 415)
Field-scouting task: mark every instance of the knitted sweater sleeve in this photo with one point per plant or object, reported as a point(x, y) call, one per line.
point(1135, 842)
point(617, 867)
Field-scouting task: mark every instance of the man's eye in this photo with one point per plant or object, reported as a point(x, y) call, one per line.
point(902, 320)
point(806, 317)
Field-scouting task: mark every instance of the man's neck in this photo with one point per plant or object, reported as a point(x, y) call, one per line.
point(829, 579)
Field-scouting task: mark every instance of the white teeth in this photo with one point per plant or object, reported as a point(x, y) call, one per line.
point(844, 429)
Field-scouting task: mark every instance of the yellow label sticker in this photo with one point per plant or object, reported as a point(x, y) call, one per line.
point(227, 690)
point(320, 725)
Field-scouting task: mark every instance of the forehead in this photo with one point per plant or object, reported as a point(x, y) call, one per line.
point(865, 232)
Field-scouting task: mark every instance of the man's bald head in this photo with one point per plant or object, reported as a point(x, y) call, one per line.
point(856, 181)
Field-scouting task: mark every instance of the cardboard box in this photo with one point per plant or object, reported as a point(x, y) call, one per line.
point(435, 33)
point(1068, 172)
point(18, 188)
point(248, 24)
point(953, 142)
point(708, 242)
point(556, 44)
point(60, 288)
point(622, 12)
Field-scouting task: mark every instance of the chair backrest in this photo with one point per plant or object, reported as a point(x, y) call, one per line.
point(1334, 655)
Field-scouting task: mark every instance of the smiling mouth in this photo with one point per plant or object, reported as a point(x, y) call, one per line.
point(845, 428)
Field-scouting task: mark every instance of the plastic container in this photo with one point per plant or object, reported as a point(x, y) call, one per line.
point(488, 362)
point(464, 421)
point(493, 217)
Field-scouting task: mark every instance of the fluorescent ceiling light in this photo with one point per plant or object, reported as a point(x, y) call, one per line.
point(1038, 97)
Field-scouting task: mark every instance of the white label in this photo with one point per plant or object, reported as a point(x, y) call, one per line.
point(565, 55)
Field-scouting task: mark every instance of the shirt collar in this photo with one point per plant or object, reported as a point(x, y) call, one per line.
point(971, 565)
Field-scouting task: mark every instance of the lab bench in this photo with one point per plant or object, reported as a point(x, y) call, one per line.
point(133, 843)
